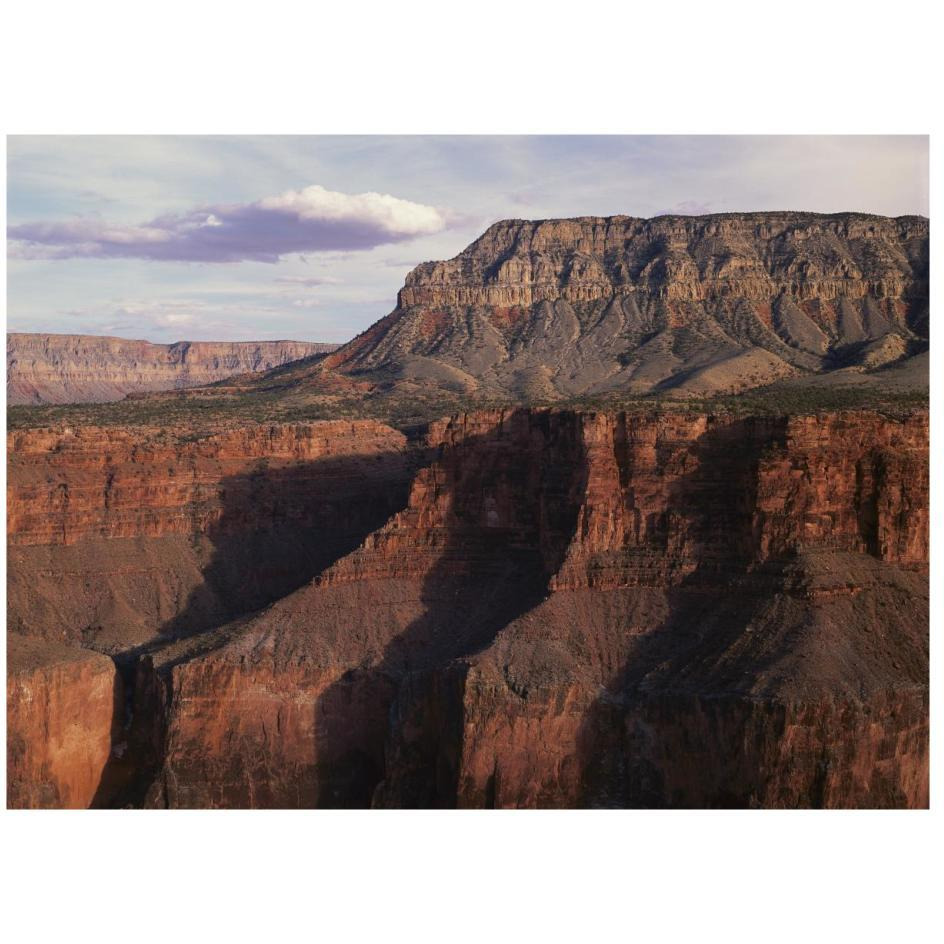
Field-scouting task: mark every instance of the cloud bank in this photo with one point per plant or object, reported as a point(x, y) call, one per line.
point(309, 220)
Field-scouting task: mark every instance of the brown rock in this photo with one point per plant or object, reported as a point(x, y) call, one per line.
point(585, 609)
point(116, 535)
point(63, 717)
point(596, 306)
point(78, 368)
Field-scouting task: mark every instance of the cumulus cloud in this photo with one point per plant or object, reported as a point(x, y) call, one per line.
point(309, 220)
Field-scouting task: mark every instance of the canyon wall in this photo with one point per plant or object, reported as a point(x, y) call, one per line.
point(517, 608)
point(64, 709)
point(118, 536)
point(77, 368)
point(583, 610)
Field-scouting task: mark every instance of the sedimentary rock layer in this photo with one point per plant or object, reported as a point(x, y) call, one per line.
point(64, 710)
point(560, 308)
point(68, 485)
point(115, 536)
point(582, 610)
point(77, 368)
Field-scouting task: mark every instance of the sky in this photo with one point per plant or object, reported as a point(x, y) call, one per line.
point(310, 238)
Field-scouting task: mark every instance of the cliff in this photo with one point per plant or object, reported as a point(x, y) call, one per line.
point(692, 305)
point(582, 609)
point(116, 536)
point(64, 708)
point(75, 368)
point(518, 608)
point(67, 485)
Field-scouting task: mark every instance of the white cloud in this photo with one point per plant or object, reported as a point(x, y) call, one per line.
point(390, 214)
point(313, 219)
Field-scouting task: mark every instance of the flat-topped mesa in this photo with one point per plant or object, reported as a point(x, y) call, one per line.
point(65, 368)
point(552, 309)
point(755, 256)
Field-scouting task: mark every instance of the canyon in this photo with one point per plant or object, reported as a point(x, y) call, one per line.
point(79, 368)
point(527, 607)
point(578, 524)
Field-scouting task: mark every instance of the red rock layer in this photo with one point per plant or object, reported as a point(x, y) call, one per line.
point(666, 496)
point(117, 536)
point(584, 609)
point(77, 368)
point(71, 485)
point(63, 717)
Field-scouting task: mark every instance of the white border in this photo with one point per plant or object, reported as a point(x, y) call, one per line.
point(488, 67)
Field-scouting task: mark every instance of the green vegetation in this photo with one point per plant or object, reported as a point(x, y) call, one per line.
point(189, 417)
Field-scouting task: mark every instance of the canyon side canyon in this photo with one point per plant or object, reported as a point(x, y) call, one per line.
point(543, 603)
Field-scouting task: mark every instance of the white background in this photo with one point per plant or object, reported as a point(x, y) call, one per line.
point(482, 67)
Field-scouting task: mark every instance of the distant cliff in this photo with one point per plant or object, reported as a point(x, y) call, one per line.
point(79, 368)
point(549, 309)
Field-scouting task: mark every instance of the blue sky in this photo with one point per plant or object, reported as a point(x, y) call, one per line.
point(309, 238)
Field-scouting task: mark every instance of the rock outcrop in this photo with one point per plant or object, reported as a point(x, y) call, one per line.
point(64, 719)
point(116, 536)
point(78, 368)
point(693, 305)
point(583, 610)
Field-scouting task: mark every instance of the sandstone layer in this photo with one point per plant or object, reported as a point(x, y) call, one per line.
point(76, 368)
point(581, 609)
point(593, 306)
point(117, 535)
point(519, 608)
point(64, 710)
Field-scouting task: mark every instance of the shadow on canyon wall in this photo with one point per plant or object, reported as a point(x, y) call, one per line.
point(279, 528)
point(390, 735)
point(680, 725)
point(685, 655)
point(674, 727)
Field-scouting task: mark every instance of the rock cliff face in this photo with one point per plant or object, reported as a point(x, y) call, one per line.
point(582, 609)
point(117, 538)
point(115, 535)
point(63, 720)
point(76, 368)
point(70, 485)
point(589, 306)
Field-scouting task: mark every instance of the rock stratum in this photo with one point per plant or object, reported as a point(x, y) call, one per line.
point(78, 368)
point(594, 306)
point(509, 608)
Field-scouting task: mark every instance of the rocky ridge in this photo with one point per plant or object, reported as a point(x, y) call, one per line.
point(590, 306)
point(75, 368)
